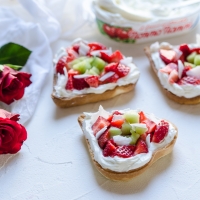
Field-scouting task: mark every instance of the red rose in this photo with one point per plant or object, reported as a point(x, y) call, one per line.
point(12, 134)
point(12, 84)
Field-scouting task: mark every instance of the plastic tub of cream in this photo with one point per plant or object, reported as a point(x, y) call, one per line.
point(136, 21)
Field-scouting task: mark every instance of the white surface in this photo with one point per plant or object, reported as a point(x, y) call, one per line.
point(54, 163)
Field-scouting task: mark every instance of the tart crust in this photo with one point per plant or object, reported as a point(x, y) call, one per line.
point(170, 95)
point(65, 102)
point(126, 176)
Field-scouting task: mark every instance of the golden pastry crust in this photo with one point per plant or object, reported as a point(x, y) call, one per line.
point(126, 176)
point(65, 102)
point(181, 100)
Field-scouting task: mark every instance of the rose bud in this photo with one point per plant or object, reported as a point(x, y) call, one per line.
point(12, 134)
point(12, 84)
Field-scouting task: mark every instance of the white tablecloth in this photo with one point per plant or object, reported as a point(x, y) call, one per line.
point(54, 163)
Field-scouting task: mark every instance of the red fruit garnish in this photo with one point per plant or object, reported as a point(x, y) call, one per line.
point(142, 116)
point(141, 147)
point(102, 140)
point(110, 118)
point(168, 68)
point(96, 46)
point(173, 76)
point(125, 151)
point(112, 67)
point(93, 81)
point(75, 47)
point(69, 85)
point(189, 80)
point(111, 31)
point(72, 72)
point(122, 34)
point(71, 54)
point(150, 125)
point(79, 83)
point(105, 57)
point(100, 123)
point(109, 149)
point(117, 113)
point(111, 79)
point(60, 65)
point(122, 70)
point(168, 56)
point(186, 68)
point(116, 56)
point(143, 136)
point(197, 50)
point(185, 49)
point(117, 123)
point(160, 132)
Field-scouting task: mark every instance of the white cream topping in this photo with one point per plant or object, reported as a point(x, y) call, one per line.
point(132, 12)
point(187, 91)
point(60, 90)
point(116, 163)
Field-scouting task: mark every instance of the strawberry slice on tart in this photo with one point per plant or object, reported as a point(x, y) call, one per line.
point(89, 72)
point(178, 69)
point(128, 146)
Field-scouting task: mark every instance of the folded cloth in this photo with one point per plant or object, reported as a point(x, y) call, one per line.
point(30, 36)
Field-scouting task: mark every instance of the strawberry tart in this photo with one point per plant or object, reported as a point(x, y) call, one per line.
point(124, 143)
point(178, 69)
point(86, 70)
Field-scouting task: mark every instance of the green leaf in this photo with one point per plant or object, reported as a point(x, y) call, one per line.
point(14, 54)
point(15, 67)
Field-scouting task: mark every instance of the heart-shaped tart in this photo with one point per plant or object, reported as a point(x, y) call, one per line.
point(124, 143)
point(89, 72)
point(178, 69)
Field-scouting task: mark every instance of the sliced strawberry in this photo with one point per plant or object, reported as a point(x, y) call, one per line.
point(69, 85)
point(96, 46)
point(71, 54)
point(125, 151)
point(72, 72)
point(79, 83)
point(117, 113)
point(109, 149)
point(186, 68)
point(122, 70)
point(117, 123)
point(93, 81)
point(142, 116)
point(150, 125)
point(168, 56)
point(105, 57)
point(103, 139)
point(75, 47)
point(189, 80)
point(141, 147)
point(173, 76)
point(143, 136)
point(185, 49)
point(197, 50)
point(100, 123)
point(116, 56)
point(160, 132)
point(168, 68)
point(112, 67)
point(111, 79)
point(61, 64)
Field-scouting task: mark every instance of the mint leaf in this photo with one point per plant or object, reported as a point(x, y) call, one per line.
point(15, 67)
point(14, 54)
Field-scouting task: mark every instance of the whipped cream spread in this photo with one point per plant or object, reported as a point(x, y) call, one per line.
point(125, 12)
point(116, 163)
point(188, 90)
point(60, 90)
